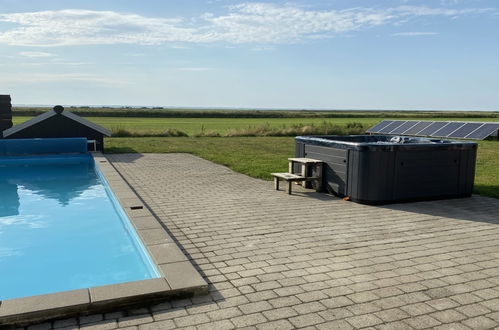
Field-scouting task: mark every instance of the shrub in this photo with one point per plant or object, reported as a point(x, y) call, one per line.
point(324, 128)
point(209, 133)
point(123, 132)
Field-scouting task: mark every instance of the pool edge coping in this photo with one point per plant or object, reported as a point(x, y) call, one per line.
point(178, 277)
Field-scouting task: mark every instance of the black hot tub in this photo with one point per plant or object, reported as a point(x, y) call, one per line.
point(377, 169)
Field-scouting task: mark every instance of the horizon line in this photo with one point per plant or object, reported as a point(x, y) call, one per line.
point(157, 107)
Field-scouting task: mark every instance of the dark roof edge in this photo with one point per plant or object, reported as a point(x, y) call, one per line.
point(85, 122)
point(8, 132)
point(51, 113)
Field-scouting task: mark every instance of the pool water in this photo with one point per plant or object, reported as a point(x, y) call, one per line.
point(62, 229)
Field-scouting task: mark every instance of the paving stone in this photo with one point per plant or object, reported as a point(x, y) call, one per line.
point(335, 325)
point(166, 253)
point(248, 320)
point(114, 315)
point(480, 322)
point(169, 314)
point(448, 316)
point(280, 313)
point(452, 326)
point(473, 310)
point(494, 316)
point(276, 325)
point(491, 304)
point(362, 297)
point(102, 325)
point(335, 314)
point(202, 308)
point(487, 293)
point(159, 325)
point(65, 323)
point(397, 325)
point(441, 304)
point(91, 318)
point(224, 313)
point(391, 315)
point(311, 296)
point(422, 322)
point(417, 309)
point(308, 260)
point(219, 325)
point(363, 321)
point(181, 275)
point(365, 308)
point(465, 298)
point(255, 307)
point(284, 301)
point(337, 302)
point(310, 307)
point(135, 320)
point(191, 320)
point(306, 320)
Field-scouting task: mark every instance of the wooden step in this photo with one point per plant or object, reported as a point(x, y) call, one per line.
point(304, 160)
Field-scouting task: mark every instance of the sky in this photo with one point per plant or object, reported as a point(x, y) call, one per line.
point(315, 54)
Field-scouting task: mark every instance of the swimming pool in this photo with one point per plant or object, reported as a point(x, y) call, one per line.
point(61, 228)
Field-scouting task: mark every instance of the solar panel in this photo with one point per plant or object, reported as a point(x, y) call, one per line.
point(390, 127)
point(464, 130)
point(404, 127)
point(483, 131)
point(448, 129)
point(435, 126)
point(418, 127)
point(379, 126)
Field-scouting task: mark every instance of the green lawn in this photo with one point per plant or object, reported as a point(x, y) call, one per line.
point(192, 126)
point(259, 156)
point(256, 157)
point(487, 169)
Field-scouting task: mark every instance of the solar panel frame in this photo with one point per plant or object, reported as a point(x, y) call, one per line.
point(404, 127)
point(448, 129)
point(465, 130)
point(483, 131)
point(419, 127)
point(379, 126)
point(435, 126)
point(440, 129)
point(387, 129)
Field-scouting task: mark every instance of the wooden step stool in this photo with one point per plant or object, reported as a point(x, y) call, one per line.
point(290, 177)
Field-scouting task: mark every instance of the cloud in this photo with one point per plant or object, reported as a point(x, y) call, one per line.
point(413, 34)
point(86, 27)
point(256, 23)
point(36, 54)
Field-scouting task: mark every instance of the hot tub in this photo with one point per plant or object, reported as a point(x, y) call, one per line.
point(379, 169)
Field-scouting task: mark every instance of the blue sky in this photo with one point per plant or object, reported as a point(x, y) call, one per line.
point(356, 54)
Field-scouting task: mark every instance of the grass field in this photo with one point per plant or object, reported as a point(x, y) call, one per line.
point(259, 156)
point(159, 112)
point(193, 126)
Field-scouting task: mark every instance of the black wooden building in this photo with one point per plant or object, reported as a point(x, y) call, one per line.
point(59, 123)
point(5, 112)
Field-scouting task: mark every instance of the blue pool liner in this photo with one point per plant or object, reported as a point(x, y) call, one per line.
point(55, 222)
point(11, 147)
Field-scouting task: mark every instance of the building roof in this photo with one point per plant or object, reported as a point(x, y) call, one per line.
point(52, 113)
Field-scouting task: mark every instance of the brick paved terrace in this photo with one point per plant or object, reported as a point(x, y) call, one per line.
point(311, 261)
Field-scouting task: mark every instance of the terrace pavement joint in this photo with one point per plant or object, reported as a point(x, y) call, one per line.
point(309, 260)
